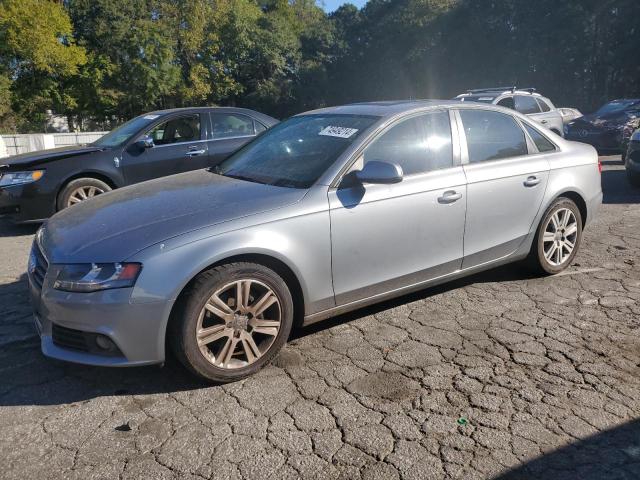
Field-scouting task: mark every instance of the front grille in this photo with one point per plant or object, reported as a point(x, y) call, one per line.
point(39, 266)
point(69, 338)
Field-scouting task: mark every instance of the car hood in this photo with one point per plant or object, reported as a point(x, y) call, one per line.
point(114, 226)
point(26, 160)
point(596, 120)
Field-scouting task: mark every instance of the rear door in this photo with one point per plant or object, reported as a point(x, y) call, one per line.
point(228, 132)
point(506, 181)
point(386, 237)
point(178, 146)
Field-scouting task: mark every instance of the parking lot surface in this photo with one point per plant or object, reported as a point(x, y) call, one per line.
point(498, 375)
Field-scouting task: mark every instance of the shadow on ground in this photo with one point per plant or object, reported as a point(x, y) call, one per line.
point(611, 454)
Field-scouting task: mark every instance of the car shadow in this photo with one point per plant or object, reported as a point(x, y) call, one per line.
point(29, 378)
point(616, 189)
point(611, 454)
point(9, 229)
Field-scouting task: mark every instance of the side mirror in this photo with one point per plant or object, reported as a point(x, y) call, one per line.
point(144, 143)
point(380, 172)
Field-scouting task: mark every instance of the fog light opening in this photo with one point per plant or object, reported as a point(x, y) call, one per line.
point(105, 343)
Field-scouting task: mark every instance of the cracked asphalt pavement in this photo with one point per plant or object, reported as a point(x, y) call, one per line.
point(497, 375)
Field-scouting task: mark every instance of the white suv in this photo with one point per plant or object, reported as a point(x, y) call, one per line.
point(524, 100)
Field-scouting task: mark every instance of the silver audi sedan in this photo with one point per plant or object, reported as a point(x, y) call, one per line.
point(326, 212)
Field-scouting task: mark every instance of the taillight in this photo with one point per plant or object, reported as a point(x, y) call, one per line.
point(599, 166)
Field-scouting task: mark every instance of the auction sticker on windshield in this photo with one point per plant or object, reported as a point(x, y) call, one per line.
point(340, 132)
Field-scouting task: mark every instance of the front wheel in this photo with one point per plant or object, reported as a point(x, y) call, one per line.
point(232, 321)
point(558, 237)
point(79, 190)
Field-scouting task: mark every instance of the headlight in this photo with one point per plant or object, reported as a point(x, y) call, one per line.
point(91, 277)
point(18, 178)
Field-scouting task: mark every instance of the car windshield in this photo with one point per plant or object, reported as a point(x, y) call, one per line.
point(616, 106)
point(295, 153)
point(124, 132)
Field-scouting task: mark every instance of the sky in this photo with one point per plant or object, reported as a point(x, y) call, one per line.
point(331, 5)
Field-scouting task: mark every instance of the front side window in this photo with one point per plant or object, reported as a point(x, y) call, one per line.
point(540, 140)
point(296, 152)
point(418, 145)
point(492, 135)
point(226, 125)
point(185, 128)
point(507, 103)
point(527, 105)
point(124, 132)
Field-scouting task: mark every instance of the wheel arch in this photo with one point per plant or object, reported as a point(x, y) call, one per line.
point(578, 199)
point(103, 177)
point(270, 261)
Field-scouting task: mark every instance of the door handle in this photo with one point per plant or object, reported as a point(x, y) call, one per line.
point(449, 196)
point(544, 122)
point(531, 181)
point(192, 152)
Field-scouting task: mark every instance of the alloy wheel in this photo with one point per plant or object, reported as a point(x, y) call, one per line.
point(239, 323)
point(83, 193)
point(560, 235)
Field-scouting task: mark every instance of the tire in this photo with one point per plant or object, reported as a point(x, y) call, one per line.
point(228, 332)
point(544, 257)
point(73, 191)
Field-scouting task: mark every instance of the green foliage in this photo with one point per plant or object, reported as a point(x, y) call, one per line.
point(108, 60)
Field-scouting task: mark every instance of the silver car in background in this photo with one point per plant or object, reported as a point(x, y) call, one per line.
point(524, 100)
point(327, 212)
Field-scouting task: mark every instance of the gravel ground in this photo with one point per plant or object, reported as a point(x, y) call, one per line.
point(497, 375)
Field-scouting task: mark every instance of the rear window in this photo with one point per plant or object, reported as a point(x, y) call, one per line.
point(540, 140)
point(544, 106)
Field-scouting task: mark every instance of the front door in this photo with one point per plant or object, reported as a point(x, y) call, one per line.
point(386, 237)
point(178, 146)
point(505, 185)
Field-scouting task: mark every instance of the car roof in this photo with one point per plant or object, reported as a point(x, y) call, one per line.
point(386, 108)
point(497, 93)
point(244, 111)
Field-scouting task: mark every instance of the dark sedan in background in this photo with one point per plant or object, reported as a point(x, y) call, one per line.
point(632, 159)
point(604, 128)
point(33, 186)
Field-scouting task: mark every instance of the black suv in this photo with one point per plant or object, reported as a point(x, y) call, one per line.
point(33, 186)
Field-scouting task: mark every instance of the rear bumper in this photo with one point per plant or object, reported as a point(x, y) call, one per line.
point(134, 328)
point(593, 205)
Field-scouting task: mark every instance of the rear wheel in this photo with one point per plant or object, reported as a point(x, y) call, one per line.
point(633, 177)
point(558, 237)
point(232, 321)
point(79, 190)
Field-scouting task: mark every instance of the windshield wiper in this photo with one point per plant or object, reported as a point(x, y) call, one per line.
point(241, 177)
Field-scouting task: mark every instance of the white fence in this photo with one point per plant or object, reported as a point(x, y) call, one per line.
point(16, 144)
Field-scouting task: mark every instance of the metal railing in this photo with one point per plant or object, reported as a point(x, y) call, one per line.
point(16, 144)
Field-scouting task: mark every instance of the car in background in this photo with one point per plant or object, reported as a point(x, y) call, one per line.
point(632, 159)
point(604, 128)
point(569, 114)
point(523, 100)
point(34, 186)
point(627, 131)
point(326, 212)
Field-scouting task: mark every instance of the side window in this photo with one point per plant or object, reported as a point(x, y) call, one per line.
point(544, 106)
point(526, 105)
point(507, 103)
point(259, 127)
point(225, 125)
point(540, 140)
point(418, 145)
point(492, 135)
point(177, 130)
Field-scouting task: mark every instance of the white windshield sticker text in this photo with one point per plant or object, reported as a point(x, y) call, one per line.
point(340, 132)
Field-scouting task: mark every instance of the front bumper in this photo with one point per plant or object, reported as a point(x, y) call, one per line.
point(632, 159)
point(135, 328)
point(603, 140)
point(26, 203)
